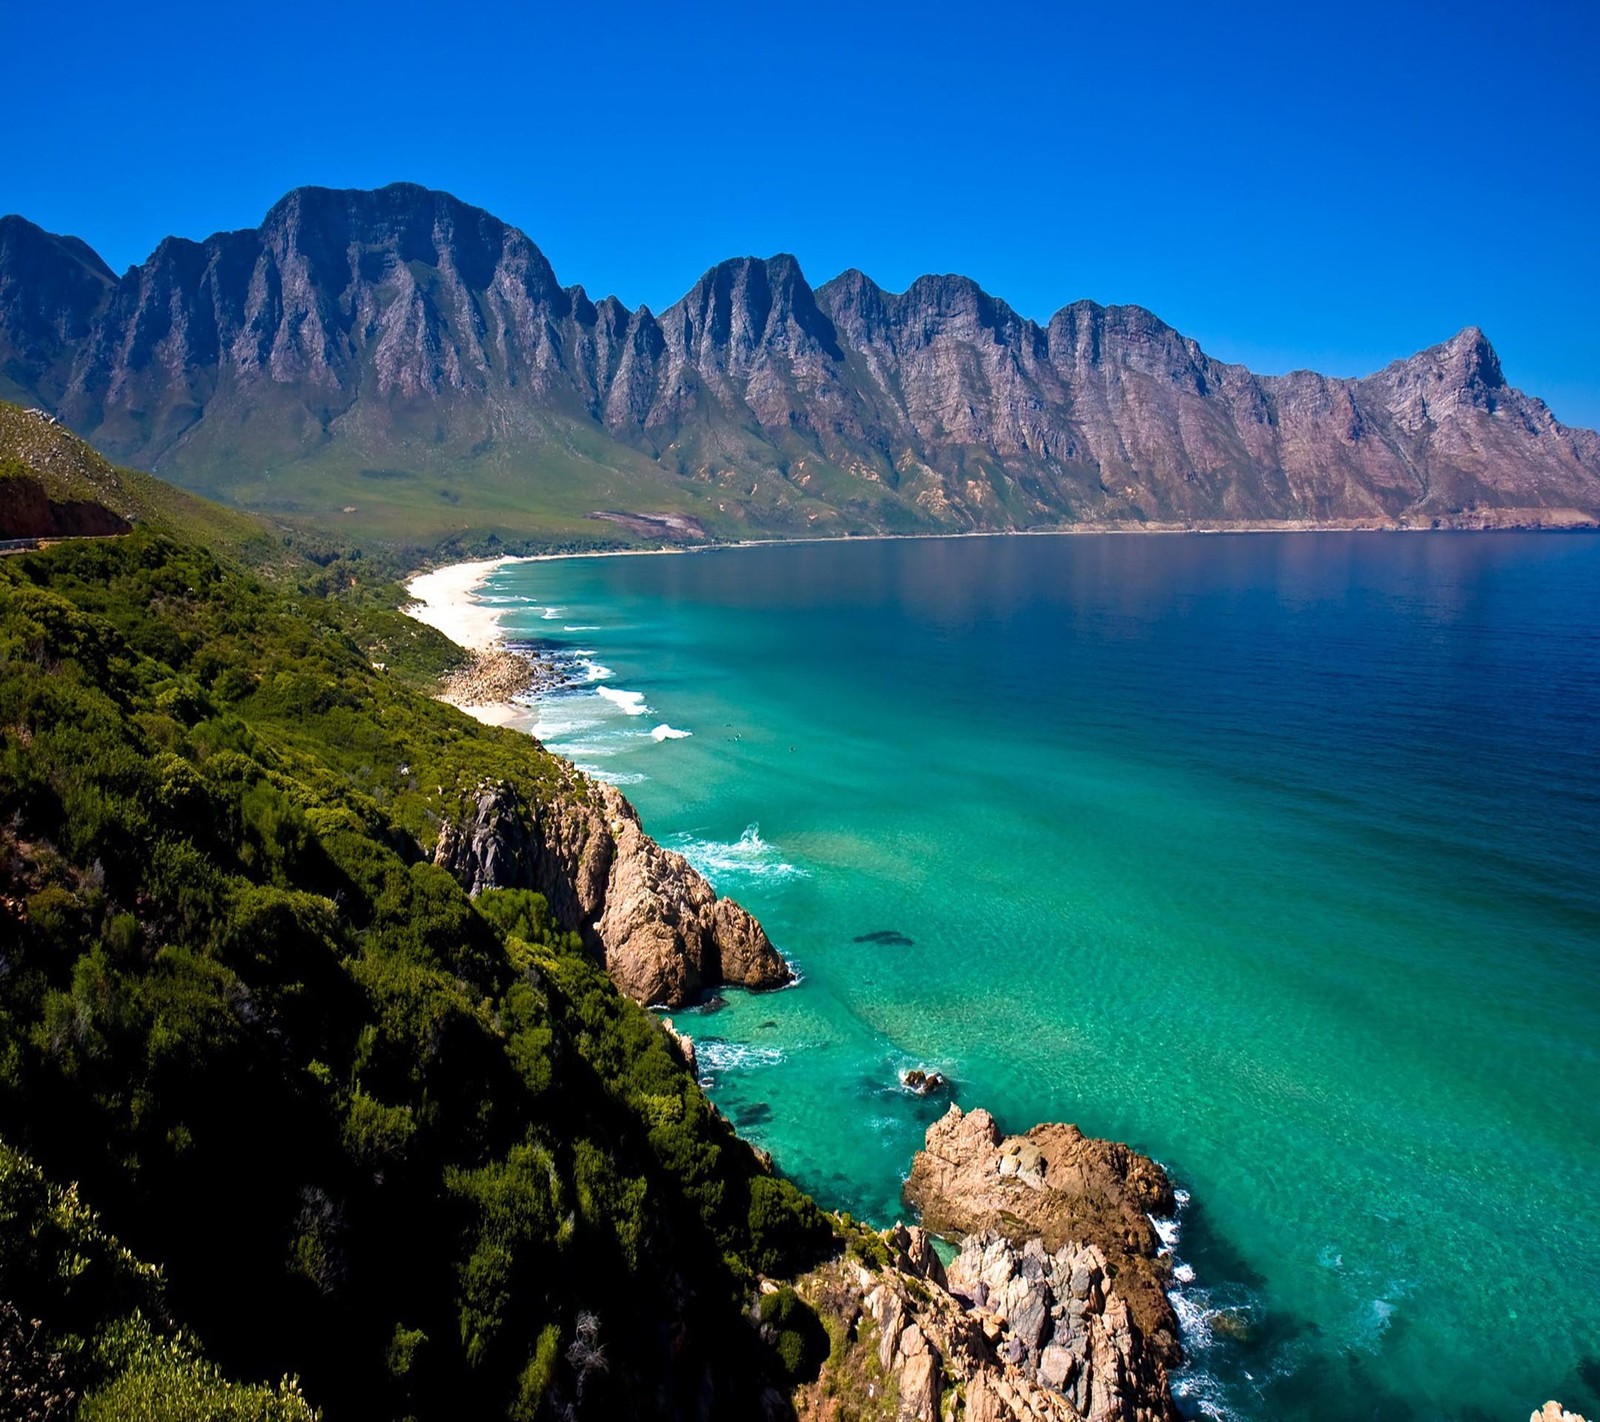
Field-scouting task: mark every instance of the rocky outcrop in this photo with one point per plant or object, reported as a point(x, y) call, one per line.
point(1006, 1334)
point(1554, 1412)
point(28, 511)
point(657, 925)
point(497, 676)
point(1059, 1186)
point(401, 334)
point(1053, 1310)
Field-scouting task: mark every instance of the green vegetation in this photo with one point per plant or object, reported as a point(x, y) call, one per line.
point(797, 1334)
point(111, 1347)
point(411, 1149)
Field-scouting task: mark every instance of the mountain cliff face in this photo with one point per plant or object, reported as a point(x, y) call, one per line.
point(358, 346)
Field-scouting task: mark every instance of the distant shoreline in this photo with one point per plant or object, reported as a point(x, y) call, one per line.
point(446, 594)
point(445, 598)
point(1492, 521)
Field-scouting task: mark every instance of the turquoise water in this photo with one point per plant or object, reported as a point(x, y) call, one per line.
point(1274, 856)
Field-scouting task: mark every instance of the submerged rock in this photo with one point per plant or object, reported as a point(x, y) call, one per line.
point(659, 928)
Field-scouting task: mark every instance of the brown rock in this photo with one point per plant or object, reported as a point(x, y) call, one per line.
point(1060, 1186)
point(657, 925)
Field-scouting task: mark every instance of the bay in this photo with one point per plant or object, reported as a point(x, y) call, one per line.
point(1275, 856)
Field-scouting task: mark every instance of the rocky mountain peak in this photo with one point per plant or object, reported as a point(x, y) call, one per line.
point(1470, 355)
point(403, 329)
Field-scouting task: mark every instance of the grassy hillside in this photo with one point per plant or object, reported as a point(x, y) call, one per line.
point(411, 1148)
point(543, 494)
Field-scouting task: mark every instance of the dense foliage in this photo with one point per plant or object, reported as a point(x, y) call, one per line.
point(412, 1149)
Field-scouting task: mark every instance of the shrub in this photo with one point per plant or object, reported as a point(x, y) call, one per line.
point(797, 1336)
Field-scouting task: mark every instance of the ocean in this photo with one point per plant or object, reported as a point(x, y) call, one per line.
point(1277, 857)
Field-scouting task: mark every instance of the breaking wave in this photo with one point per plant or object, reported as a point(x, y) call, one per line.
point(664, 732)
point(749, 857)
point(630, 703)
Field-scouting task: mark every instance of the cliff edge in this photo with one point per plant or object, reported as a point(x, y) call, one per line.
point(659, 928)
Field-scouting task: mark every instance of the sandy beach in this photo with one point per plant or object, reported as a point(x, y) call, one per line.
point(448, 602)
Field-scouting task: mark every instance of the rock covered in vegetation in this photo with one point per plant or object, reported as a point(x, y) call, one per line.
point(1058, 1185)
point(415, 1148)
point(658, 926)
point(28, 511)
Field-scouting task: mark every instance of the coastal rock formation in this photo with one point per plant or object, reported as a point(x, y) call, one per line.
point(1554, 1412)
point(497, 676)
point(402, 335)
point(924, 1082)
point(657, 925)
point(1059, 1186)
point(1008, 1333)
point(1052, 1310)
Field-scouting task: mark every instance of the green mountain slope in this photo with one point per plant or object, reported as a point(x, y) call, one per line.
point(412, 1148)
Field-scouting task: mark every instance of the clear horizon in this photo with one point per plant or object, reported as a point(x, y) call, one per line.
point(1290, 192)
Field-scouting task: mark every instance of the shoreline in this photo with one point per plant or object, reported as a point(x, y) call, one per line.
point(446, 600)
point(1582, 524)
point(445, 597)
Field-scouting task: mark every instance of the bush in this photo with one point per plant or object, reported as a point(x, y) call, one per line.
point(796, 1334)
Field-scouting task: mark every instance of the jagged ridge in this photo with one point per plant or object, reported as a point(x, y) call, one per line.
point(405, 329)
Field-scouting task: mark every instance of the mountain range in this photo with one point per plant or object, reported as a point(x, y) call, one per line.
point(410, 365)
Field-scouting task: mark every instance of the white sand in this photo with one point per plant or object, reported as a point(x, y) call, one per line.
point(449, 603)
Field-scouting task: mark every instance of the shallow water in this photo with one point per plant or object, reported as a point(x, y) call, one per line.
point(1274, 856)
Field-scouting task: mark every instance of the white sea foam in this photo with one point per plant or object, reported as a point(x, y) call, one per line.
point(589, 670)
point(550, 727)
point(551, 613)
point(1192, 1384)
point(1167, 1231)
point(581, 627)
point(749, 856)
point(664, 732)
point(716, 1055)
point(630, 703)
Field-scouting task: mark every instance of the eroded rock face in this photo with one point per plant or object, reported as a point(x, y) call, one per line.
point(657, 925)
point(389, 323)
point(1059, 1186)
point(27, 511)
point(1062, 1324)
point(1008, 1334)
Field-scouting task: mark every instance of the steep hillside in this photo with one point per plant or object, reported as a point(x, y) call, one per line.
point(412, 1146)
point(401, 364)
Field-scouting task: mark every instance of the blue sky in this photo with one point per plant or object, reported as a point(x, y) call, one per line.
point(1330, 187)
